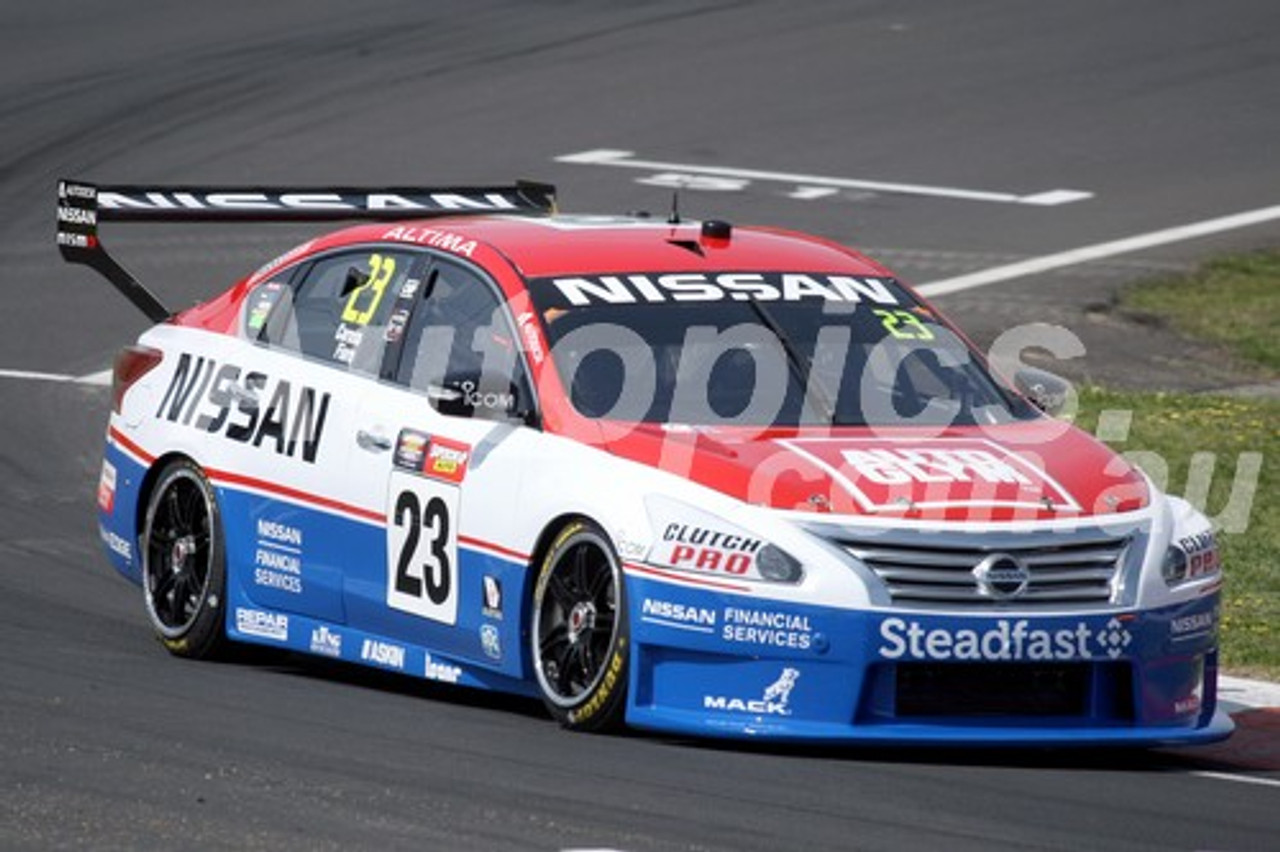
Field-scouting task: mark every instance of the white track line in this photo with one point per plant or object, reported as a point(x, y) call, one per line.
point(100, 378)
point(1037, 265)
point(624, 159)
point(1242, 779)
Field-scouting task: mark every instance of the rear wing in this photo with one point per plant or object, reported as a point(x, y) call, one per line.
point(81, 206)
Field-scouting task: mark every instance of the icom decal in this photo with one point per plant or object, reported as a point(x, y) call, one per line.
point(229, 401)
point(773, 700)
point(1006, 640)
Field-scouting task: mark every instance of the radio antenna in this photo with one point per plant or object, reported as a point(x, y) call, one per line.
point(674, 218)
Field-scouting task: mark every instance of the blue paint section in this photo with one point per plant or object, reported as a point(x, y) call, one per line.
point(117, 527)
point(284, 556)
point(246, 623)
point(710, 663)
point(717, 664)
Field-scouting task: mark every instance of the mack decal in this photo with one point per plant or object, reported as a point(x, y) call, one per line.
point(228, 401)
point(773, 702)
point(738, 286)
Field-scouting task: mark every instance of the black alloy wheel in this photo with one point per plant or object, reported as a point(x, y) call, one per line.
point(183, 563)
point(580, 638)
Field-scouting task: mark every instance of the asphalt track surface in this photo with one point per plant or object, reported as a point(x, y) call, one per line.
point(1167, 113)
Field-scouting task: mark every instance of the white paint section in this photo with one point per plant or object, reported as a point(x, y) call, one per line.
point(1240, 779)
point(102, 377)
point(1099, 251)
point(671, 171)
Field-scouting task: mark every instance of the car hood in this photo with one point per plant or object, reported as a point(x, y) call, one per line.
point(1037, 470)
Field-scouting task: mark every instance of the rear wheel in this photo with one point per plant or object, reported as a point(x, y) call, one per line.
point(183, 563)
point(580, 635)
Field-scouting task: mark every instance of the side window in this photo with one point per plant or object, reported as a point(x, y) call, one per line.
point(461, 351)
point(339, 309)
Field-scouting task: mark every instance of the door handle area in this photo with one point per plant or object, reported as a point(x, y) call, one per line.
point(374, 442)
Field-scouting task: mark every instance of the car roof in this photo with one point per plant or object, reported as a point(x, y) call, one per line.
point(574, 244)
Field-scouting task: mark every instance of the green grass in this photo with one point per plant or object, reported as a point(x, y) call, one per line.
point(1169, 436)
point(1233, 301)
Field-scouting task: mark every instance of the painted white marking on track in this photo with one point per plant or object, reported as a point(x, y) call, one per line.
point(625, 159)
point(101, 378)
point(1098, 251)
point(33, 376)
point(1242, 779)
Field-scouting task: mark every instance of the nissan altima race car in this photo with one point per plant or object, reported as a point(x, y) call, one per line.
point(683, 476)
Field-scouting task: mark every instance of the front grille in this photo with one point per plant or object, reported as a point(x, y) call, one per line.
point(1080, 568)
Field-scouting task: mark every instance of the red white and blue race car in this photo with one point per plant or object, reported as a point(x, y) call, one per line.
point(685, 476)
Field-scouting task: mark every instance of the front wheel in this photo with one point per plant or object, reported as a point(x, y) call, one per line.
point(580, 636)
point(184, 574)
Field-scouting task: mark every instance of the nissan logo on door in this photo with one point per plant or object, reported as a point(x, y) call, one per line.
point(1002, 576)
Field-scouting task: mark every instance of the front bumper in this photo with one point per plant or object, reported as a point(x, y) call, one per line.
point(711, 663)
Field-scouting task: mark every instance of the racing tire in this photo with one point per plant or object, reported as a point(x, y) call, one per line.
point(184, 573)
point(580, 640)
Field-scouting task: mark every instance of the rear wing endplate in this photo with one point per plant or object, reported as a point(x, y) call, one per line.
point(81, 206)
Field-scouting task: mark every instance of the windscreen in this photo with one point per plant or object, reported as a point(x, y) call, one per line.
point(762, 349)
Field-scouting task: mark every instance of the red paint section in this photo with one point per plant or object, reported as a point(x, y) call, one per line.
point(1028, 471)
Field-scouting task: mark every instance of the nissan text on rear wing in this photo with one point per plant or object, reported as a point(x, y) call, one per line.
point(82, 206)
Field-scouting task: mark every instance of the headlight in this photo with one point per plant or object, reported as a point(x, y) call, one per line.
point(1192, 557)
point(1174, 569)
point(689, 539)
point(777, 565)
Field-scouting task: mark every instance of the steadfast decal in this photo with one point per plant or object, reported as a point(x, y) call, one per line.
point(736, 286)
point(1005, 640)
point(229, 401)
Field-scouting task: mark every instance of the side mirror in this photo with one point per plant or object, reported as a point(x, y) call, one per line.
point(1048, 392)
point(484, 397)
